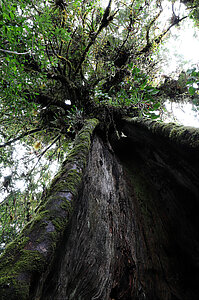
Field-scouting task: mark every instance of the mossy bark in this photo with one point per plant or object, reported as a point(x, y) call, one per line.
point(183, 136)
point(30, 255)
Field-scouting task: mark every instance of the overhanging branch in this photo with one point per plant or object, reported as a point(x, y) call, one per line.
point(159, 38)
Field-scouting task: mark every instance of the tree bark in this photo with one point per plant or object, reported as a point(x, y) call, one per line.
point(133, 233)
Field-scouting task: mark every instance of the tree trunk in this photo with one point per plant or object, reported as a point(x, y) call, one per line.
point(133, 233)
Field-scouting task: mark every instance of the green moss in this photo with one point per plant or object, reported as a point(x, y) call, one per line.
point(35, 222)
point(12, 289)
point(184, 135)
point(16, 265)
point(12, 249)
point(66, 205)
point(66, 182)
point(30, 261)
point(59, 224)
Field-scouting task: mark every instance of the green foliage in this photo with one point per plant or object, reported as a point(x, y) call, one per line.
point(135, 91)
point(193, 5)
point(31, 170)
point(75, 119)
point(17, 47)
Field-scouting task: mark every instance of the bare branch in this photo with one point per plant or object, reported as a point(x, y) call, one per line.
point(15, 52)
point(45, 150)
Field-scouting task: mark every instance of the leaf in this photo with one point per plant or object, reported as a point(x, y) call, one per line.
point(192, 90)
point(195, 101)
point(37, 145)
point(135, 71)
point(156, 105)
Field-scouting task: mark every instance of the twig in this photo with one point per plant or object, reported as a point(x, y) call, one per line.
point(45, 150)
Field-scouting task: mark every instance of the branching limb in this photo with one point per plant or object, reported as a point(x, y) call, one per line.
point(106, 19)
point(159, 38)
point(150, 25)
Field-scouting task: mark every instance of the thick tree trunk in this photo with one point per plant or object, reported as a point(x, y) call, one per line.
point(133, 233)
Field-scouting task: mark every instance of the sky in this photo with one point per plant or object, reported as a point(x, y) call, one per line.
point(183, 42)
point(181, 53)
point(184, 114)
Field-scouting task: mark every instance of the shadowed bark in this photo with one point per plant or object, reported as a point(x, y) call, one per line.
point(133, 233)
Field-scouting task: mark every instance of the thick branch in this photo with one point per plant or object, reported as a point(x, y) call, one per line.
point(24, 260)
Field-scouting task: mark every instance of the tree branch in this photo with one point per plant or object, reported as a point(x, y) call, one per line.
point(158, 39)
point(45, 150)
point(15, 52)
point(106, 19)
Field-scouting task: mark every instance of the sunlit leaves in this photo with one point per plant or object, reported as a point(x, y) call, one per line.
point(192, 90)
